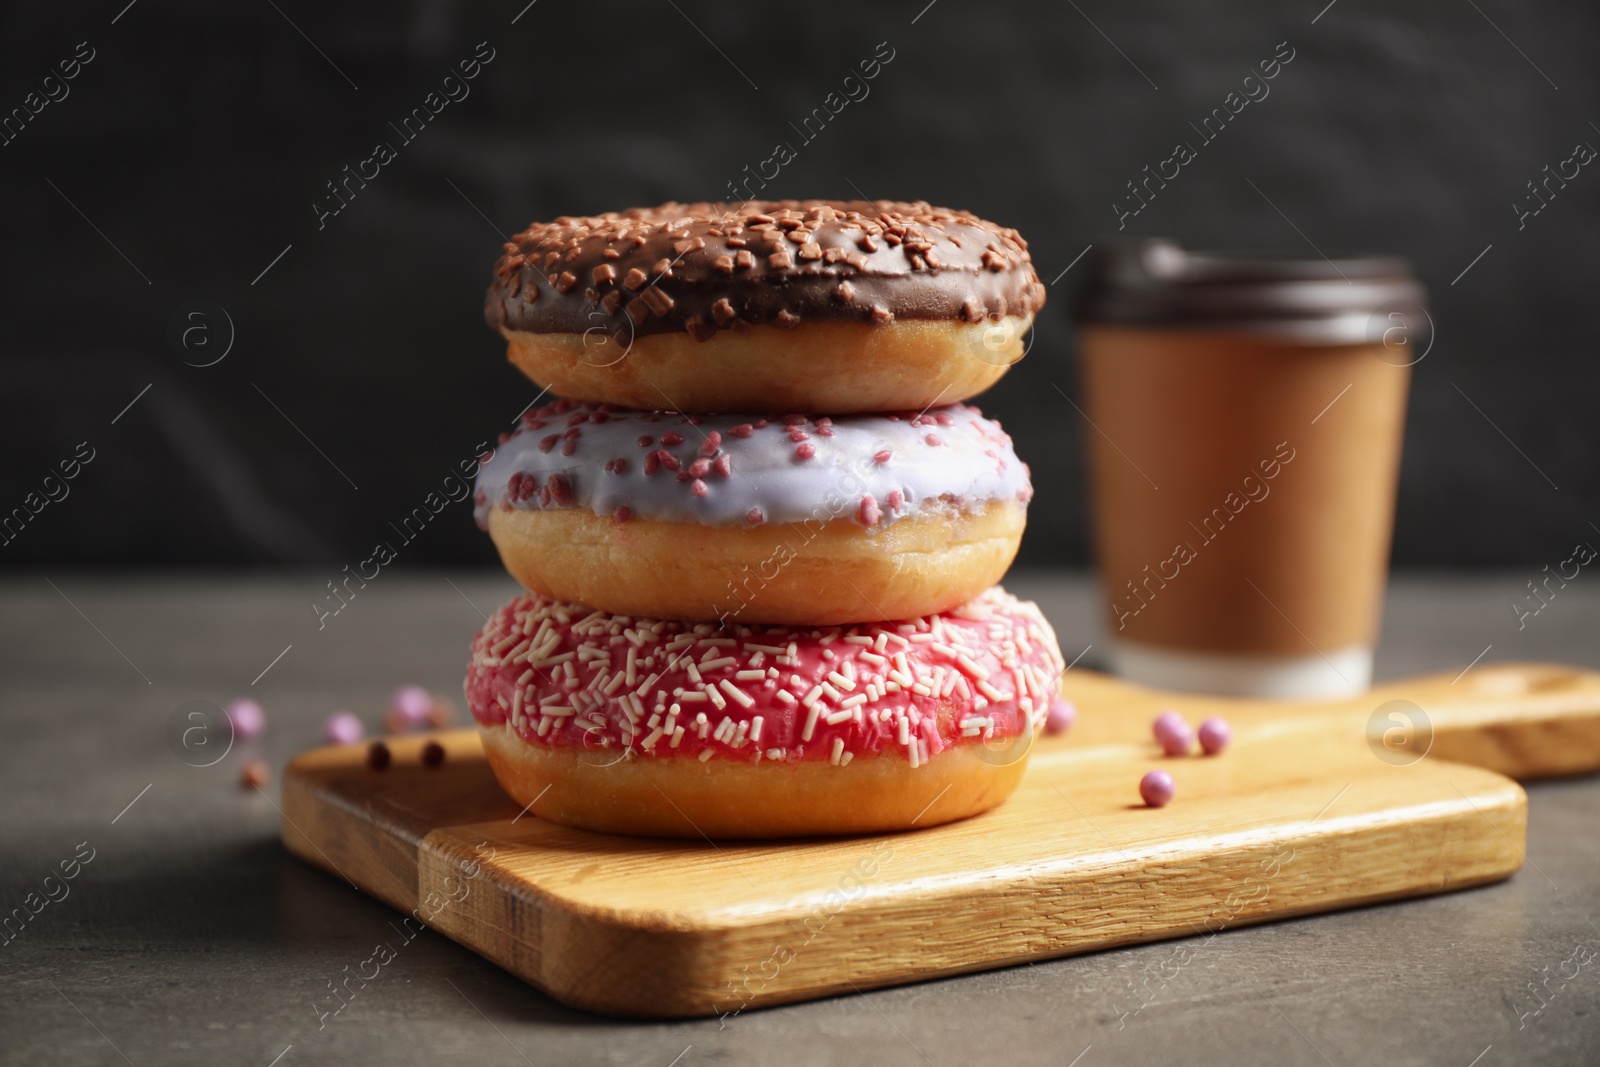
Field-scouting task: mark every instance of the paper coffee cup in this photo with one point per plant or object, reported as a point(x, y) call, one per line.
point(1245, 417)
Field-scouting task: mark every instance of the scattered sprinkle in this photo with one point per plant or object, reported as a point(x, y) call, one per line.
point(1063, 715)
point(1215, 734)
point(1157, 788)
point(248, 720)
point(408, 708)
point(1172, 733)
point(343, 728)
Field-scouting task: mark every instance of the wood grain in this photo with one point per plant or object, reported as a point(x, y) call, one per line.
point(1300, 815)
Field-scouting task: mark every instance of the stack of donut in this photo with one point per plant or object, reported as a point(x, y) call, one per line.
point(761, 531)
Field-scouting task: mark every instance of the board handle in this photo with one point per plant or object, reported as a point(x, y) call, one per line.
point(1526, 720)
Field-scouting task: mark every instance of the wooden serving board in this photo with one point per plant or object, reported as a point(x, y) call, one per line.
point(1300, 815)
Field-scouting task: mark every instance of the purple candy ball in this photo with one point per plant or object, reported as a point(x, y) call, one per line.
point(1063, 714)
point(1214, 736)
point(249, 721)
point(344, 728)
point(1173, 734)
point(410, 705)
point(1157, 788)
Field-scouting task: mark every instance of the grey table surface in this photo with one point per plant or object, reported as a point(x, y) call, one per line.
point(191, 937)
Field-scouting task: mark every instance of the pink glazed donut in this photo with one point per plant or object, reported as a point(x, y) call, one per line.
point(669, 729)
point(783, 519)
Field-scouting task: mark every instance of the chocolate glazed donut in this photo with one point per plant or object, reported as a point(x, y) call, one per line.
point(794, 305)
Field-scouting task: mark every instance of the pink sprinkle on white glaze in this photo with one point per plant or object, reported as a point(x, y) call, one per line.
point(788, 467)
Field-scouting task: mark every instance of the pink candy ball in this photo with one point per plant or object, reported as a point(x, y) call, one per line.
point(411, 704)
point(1173, 734)
point(410, 707)
point(1063, 714)
point(249, 721)
point(1214, 736)
point(343, 728)
point(1157, 788)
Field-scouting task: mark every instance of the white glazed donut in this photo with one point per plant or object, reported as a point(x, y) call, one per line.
point(791, 519)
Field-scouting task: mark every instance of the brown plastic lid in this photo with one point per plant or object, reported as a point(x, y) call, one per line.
point(1349, 299)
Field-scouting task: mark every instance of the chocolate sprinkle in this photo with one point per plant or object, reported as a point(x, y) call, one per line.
point(698, 267)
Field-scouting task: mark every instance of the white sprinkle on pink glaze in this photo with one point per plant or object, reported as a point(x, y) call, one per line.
point(564, 676)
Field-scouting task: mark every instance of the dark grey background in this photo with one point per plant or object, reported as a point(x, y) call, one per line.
point(197, 139)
